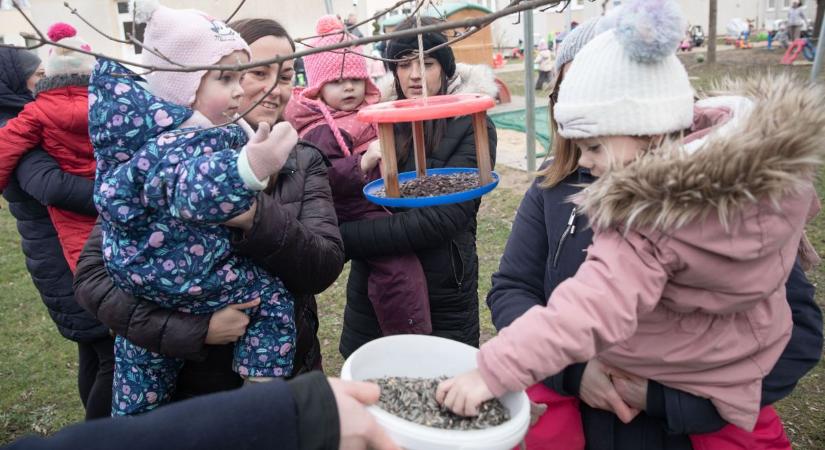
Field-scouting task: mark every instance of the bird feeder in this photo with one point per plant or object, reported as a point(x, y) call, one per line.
point(417, 111)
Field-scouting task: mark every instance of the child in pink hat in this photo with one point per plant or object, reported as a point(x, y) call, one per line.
point(324, 114)
point(170, 178)
point(57, 120)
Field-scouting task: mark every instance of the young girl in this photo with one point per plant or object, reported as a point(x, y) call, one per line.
point(325, 114)
point(57, 119)
point(167, 181)
point(684, 282)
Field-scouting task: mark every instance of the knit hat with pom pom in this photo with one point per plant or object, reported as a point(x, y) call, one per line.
point(187, 37)
point(329, 66)
point(627, 81)
point(61, 61)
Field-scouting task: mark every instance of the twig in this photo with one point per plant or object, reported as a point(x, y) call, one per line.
point(229, 19)
point(248, 110)
point(76, 13)
point(376, 16)
point(517, 6)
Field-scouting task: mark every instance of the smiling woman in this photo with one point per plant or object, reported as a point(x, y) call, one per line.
point(267, 39)
point(290, 232)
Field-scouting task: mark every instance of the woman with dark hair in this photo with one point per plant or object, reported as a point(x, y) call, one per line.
point(443, 237)
point(38, 182)
point(291, 232)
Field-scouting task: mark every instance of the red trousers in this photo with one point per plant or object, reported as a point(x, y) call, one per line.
point(560, 428)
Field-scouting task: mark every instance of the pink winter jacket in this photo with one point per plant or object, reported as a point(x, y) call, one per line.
point(693, 244)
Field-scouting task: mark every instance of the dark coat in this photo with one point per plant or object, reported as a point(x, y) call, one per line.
point(294, 236)
point(443, 238)
point(298, 414)
point(542, 252)
point(38, 181)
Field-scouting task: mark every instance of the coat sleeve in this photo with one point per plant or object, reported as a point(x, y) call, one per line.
point(204, 189)
point(418, 228)
point(518, 285)
point(306, 250)
point(160, 330)
point(17, 137)
point(345, 176)
point(577, 323)
point(41, 177)
point(210, 422)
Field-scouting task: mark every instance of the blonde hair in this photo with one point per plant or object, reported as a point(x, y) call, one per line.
point(565, 155)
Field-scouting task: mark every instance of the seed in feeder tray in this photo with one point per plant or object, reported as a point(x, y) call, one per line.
point(413, 399)
point(433, 185)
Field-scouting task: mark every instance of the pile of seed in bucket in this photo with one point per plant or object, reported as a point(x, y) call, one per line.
point(413, 399)
point(433, 185)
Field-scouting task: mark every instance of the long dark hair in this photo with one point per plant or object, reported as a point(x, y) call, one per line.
point(434, 130)
point(253, 29)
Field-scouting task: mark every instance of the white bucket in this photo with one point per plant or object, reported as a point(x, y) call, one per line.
point(420, 356)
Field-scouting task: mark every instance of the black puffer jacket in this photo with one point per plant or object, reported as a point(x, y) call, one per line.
point(443, 238)
point(295, 236)
point(38, 181)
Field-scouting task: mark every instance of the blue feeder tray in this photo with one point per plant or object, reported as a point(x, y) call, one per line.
point(421, 202)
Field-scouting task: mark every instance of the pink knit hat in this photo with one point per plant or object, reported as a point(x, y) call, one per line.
point(185, 36)
point(62, 61)
point(329, 66)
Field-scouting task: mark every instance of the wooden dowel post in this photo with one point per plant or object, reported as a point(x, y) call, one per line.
point(389, 162)
point(420, 151)
point(485, 167)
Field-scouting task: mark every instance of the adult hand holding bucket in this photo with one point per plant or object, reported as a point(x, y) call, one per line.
point(421, 356)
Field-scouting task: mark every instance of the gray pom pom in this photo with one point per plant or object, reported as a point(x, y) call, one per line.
point(650, 30)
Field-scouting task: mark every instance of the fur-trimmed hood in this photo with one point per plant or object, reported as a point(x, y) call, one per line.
point(60, 81)
point(468, 78)
point(772, 151)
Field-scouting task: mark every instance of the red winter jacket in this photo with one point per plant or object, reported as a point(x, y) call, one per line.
point(57, 120)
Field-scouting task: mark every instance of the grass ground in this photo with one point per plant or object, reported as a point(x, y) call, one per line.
point(38, 368)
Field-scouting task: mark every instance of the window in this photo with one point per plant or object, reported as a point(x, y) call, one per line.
point(138, 33)
point(124, 17)
point(786, 4)
point(771, 5)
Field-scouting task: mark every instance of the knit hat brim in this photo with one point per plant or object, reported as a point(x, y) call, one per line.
point(625, 117)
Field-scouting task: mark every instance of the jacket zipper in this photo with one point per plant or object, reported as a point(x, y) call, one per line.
point(569, 231)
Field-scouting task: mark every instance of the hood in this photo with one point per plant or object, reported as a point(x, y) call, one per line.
point(305, 113)
point(468, 79)
point(726, 165)
point(13, 91)
point(64, 99)
point(113, 86)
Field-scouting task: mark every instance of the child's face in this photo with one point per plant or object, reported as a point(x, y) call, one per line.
point(219, 94)
point(600, 154)
point(344, 95)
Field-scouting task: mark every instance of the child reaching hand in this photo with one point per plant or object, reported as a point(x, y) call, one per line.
point(168, 179)
point(57, 120)
point(698, 217)
point(325, 115)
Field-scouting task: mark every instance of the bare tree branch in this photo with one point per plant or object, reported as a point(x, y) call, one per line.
point(376, 16)
point(229, 19)
point(475, 23)
point(76, 13)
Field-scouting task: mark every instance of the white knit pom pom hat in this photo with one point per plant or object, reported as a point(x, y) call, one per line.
point(628, 81)
point(187, 37)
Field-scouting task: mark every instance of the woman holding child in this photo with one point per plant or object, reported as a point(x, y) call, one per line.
point(603, 407)
point(290, 231)
point(442, 238)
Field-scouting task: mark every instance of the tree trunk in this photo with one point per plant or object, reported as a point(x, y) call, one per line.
point(820, 10)
point(712, 32)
